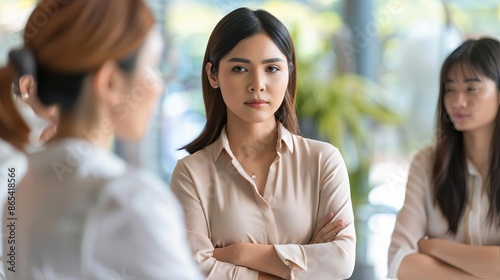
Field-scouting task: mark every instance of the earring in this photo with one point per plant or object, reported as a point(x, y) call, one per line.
point(25, 96)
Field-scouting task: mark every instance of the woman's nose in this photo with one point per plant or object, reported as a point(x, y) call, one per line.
point(257, 83)
point(460, 101)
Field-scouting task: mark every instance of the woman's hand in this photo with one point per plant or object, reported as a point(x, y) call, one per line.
point(230, 254)
point(428, 245)
point(327, 230)
point(259, 257)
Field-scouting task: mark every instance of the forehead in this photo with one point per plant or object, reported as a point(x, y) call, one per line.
point(259, 46)
point(461, 70)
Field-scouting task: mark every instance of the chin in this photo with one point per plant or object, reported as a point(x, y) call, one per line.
point(463, 128)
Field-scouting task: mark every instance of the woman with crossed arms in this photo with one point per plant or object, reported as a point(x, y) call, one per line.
point(449, 226)
point(261, 202)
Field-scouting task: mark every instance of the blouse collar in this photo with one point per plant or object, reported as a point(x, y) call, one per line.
point(284, 137)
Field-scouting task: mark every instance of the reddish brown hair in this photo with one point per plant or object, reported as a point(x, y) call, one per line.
point(70, 39)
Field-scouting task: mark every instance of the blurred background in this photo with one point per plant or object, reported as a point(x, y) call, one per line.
point(368, 83)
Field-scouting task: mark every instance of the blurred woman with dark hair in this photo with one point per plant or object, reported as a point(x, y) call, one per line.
point(449, 226)
point(81, 212)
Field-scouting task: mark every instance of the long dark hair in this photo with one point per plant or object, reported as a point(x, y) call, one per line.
point(234, 27)
point(448, 177)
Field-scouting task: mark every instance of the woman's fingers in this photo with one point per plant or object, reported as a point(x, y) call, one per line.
point(328, 231)
point(330, 227)
point(317, 233)
point(324, 222)
point(330, 236)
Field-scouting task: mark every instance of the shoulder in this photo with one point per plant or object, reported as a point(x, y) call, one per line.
point(314, 148)
point(138, 197)
point(420, 172)
point(207, 154)
point(136, 221)
point(197, 164)
point(321, 157)
point(423, 158)
point(135, 186)
point(202, 156)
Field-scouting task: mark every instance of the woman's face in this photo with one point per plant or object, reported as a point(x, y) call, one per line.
point(141, 91)
point(471, 100)
point(253, 79)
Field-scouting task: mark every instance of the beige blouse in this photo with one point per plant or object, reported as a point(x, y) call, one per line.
point(420, 216)
point(307, 180)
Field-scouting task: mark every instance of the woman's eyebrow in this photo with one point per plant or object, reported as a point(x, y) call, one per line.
point(270, 60)
point(468, 80)
point(244, 60)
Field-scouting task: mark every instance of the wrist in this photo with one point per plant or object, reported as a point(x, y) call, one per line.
point(428, 245)
point(240, 256)
point(422, 245)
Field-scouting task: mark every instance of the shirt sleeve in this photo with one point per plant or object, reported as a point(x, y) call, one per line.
point(136, 231)
point(333, 259)
point(412, 218)
point(198, 230)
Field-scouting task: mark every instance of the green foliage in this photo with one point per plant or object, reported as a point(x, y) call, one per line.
point(345, 108)
point(342, 107)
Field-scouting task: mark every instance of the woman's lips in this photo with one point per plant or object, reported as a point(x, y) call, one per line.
point(256, 103)
point(460, 116)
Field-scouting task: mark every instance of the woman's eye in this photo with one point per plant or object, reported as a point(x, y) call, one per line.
point(272, 69)
point(239, 69)
point(471, 89)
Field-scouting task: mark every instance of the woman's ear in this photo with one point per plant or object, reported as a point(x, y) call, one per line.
point(108, 84)
point(29, 94)
point(27, 86)
point(212, 76)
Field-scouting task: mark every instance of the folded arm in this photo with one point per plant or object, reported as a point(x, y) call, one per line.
point(480, 261)
point(334, 259)
point(422, 266)
point(264, 257)
point(411, 257)
point(259, 257)
point(411, 222)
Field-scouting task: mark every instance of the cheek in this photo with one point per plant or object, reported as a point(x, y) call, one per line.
point(147, 87)
point(230, 84)
point(231, 90)
point(494, 106)
point(153, 82)
point(447, 101)
point(282, 85)
point(487, 102)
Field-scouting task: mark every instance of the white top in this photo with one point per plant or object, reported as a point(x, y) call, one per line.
point(82, 213)
point(306, 181)
point(420, 216)
point(10, 160)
